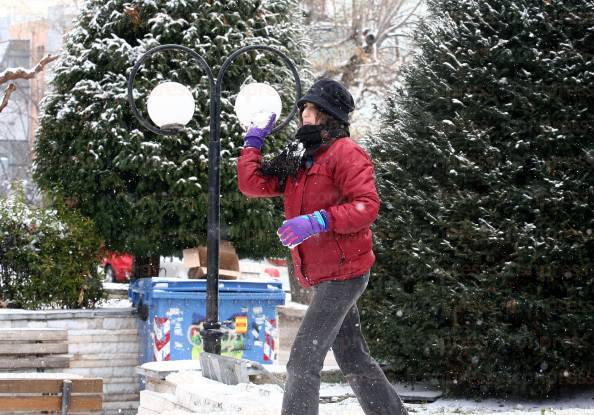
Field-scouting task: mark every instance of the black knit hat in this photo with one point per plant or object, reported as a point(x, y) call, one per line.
point(331, 97)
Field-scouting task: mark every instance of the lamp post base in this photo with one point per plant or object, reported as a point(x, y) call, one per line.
point(211, 337)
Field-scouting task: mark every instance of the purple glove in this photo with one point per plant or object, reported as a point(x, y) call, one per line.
point(254, 137)
point(296, 230)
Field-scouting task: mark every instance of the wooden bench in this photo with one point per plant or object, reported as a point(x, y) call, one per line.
point(52, 392)
point(33, 349)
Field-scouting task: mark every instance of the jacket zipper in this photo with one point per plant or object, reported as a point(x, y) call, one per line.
point(300, 212)
point(342, 256)
point(303, 192)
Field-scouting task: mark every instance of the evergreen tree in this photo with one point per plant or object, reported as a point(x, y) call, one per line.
point(148, 193)
point(484, 165)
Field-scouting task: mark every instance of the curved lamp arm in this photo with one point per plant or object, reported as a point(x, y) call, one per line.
point(143, 121)
point(215, 87)
point(285, 59)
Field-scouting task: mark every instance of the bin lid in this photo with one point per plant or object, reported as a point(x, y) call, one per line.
point(177, 284)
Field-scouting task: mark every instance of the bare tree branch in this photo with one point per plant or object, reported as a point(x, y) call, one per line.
point(382, 35)
point(337, 43)
point(11, 88)
point(12, 74)
point(357, 21)
point(389, 17)
point(367, 46)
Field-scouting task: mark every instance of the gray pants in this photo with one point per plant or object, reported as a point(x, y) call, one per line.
point(332, 319)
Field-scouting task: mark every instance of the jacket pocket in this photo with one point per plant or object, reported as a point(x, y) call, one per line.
point(322, 248)
point(342, 259)
point(355, 245)
point(320, 191)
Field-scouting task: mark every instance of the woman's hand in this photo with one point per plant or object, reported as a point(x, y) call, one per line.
point(296, 230)
point(254, 137)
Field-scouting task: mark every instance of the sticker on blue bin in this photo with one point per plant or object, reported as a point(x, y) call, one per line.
point(174, 312)
point(270, 336)
point(161, 337)
point(177, 330)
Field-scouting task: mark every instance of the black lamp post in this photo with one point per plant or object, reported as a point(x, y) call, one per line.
point(212, 329)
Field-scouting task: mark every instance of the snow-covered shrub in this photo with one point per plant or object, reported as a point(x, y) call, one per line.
point(48, 258)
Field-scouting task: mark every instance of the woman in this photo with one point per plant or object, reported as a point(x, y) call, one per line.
point(330, 201)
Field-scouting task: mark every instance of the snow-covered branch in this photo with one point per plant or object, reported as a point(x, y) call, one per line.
point(12, 74)
point(11, 88)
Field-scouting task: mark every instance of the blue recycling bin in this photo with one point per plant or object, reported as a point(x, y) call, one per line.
point(172, 312)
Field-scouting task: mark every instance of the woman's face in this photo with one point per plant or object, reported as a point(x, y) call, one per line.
point(310, 114)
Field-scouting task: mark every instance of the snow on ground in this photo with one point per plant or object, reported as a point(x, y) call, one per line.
point(291, 304)
point(116, 286)
point(269, 397)
point(580, 403)
point(575, 401)
point(114, 303)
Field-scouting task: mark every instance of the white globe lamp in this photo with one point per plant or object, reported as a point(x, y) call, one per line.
point(255, 104)
point(171, 105)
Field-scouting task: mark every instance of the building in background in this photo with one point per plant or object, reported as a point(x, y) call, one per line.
point(14, 120)
point(35, 32)
point(4, 27)
point(25, 39)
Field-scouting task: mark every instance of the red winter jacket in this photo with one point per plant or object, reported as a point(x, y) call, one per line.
point(342, 182)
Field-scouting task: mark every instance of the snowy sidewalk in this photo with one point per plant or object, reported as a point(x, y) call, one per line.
point(187, 392)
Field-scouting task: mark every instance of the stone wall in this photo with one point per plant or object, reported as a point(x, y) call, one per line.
point(102, 343)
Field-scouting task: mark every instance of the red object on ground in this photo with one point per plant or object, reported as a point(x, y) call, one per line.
point(119, 265)
point(273, 272)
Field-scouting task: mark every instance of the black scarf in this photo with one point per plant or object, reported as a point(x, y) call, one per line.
point(299, 153)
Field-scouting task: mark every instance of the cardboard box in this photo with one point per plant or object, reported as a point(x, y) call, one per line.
point(197, 260)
